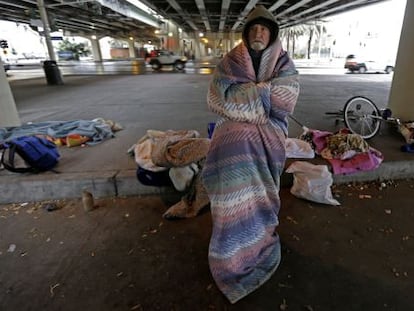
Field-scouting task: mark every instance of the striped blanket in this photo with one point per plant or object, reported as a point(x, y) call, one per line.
point(243, 166)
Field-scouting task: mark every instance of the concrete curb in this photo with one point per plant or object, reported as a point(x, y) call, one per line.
point(387, 170)
point(51, 186)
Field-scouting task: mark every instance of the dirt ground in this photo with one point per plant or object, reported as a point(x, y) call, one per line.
point(124, 256)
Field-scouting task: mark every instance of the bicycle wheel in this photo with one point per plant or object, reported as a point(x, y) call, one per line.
point(362, 116)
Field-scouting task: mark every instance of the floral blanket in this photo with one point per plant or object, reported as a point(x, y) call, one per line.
point(243, 166)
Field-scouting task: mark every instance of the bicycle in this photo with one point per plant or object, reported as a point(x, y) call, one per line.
point(361, 116)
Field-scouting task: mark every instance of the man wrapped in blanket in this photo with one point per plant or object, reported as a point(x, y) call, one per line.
point(253, 90)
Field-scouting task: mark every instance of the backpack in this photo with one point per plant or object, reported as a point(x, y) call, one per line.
point(150, 178)
point(39, 154)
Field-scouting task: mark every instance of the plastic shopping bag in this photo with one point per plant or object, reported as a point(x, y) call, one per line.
point(312, 182)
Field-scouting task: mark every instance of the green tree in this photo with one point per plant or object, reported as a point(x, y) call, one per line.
point(78, 49)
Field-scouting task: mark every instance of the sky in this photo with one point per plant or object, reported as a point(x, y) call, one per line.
point(370, 30)
point(22, 38)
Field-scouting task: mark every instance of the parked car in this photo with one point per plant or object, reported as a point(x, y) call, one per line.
point(66, 55)
point(354, 64)
point(165, 57)
point(6, 65)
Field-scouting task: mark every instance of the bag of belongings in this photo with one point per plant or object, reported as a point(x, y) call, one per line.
point(39, 154)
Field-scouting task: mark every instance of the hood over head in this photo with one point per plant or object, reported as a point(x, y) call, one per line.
point(260, 15)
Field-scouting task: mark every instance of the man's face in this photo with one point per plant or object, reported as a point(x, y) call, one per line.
point(259, 36)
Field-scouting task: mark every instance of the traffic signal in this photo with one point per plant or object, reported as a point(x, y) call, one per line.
point(4, 44)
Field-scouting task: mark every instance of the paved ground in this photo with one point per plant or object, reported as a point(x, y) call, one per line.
point(125, 256)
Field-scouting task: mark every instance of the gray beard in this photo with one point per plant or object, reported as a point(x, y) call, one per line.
point(257, 46)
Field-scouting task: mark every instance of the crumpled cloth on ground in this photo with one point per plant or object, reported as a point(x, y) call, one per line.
point(344, 146)
point(172, 153)
point(407, 131)
point(191, 203)
point(360, 162)
point(180, 152)
point(97, 130)
point(361, 158)
point(143, 149)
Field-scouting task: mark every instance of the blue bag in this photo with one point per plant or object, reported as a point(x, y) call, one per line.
point(38, 153)
point(210, 129)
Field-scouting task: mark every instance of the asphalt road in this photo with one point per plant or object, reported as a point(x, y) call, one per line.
point(32, 70)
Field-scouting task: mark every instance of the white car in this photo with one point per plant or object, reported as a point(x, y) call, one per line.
point(354, 64)
point(165, 57)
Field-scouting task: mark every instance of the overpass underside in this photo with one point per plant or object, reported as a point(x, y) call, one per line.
point(125, 18)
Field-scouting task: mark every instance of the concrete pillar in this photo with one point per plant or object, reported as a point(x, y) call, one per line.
point(8, 111)
point(176, 39)
point(172, 37)
point(197, 46)
point(401, 101)
point(46, 29)
point(216, 46)
point(232, 35)
point(96, 49)
point(131, 46)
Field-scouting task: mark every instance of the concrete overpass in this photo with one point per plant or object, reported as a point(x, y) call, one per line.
point(126, 17)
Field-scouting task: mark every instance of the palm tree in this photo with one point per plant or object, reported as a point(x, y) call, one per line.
point(317, 28)
point(291, 34)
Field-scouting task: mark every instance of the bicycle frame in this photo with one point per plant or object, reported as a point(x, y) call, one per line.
point(361, 116)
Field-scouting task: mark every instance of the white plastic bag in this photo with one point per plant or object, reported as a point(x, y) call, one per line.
point(297, 148)
point(312, 182)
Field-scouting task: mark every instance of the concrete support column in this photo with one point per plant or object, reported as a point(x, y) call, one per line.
point(232, 34)
point(96, 49)
point(229, 46)
point(224, 48)
point(197, 44)
point(46, 29)
point(216, 46)
point(8, 111)
point(401, 100)
point(131, 46)
point(177, 40)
